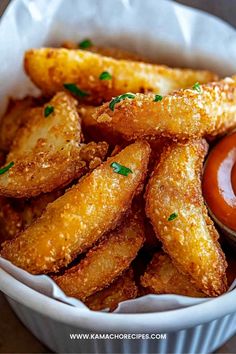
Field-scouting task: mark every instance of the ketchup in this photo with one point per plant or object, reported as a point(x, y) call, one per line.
point(219, 181)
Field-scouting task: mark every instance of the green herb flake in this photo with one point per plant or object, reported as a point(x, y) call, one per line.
point(105, 75)
point(75, 90)
point(86, 43)
point(6, 168)
point(48, 110)
point(119, 99)
point(157, 98)
point(197, 87)
point(172, 216)
point(121, 170)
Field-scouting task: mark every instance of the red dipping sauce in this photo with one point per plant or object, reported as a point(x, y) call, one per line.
point(219, 181)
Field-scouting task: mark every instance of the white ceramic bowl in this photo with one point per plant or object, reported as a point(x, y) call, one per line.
point(196, 329)
point(181, 37)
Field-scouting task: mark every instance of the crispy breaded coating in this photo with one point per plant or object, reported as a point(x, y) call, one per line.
point(105, 262)
point(51, 68)
point(15, 116)
point(180, 115)
point(46, 151)
point(162, 277)
point(76, 220)
point(122, 289)
point(112, 52)
point(176, 208)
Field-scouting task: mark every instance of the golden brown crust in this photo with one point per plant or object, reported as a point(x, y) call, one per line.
point(15, 116)
point(180, 115)
point(122, 289)
point(162, 277)
point(51, 68)
point(191, 238)
point(105, 262)
point(46, 151)
point(81, 216)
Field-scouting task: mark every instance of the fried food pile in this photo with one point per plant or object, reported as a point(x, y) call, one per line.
point(100, 184)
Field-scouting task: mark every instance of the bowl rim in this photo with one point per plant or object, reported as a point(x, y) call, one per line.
point(166, 321)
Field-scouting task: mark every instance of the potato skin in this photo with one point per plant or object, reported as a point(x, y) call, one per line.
point(105, 262)
point(181, 115)
point(122, 289)
point(162, 277)
point(191, 238)
point(46, 151)
point(51, 68)
point(75, 221)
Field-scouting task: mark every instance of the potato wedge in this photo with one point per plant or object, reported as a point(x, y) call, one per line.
point(105, 262)
point(15, 116)
point(51, 68)
point(106, 51)
point(46, 152)
point(181, 115)
point(122, 289)
point(75, 221)
point(162, 277)
point(175, 206)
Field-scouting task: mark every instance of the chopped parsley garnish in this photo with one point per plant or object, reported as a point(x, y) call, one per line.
point(73, 88)
point(197, 87)
point(157, 98)
point(86, 43)
point(172, 216)
point(105, 75)
point(6, 168)
point(120, 98)
point(48, 110)
point(121, 170)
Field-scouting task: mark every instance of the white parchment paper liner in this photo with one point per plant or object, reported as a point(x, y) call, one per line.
point(161, 30)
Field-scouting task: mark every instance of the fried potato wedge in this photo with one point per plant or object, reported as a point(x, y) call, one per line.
point(46, 152)
point(51, 68)
point(105, 262)
point(76, 220)
point(122, 289)
point(15, 116)
point(106, 51)
point(175, 206)
point(180, 115)
point(162, 277)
